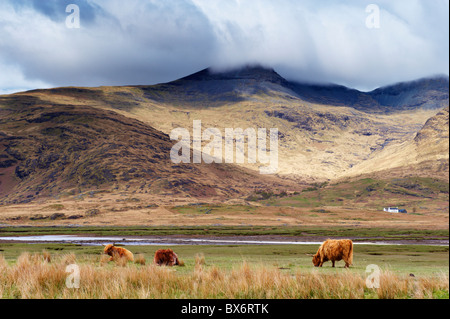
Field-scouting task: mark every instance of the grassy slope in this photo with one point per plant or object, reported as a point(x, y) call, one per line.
point(354, 205)
point(410, 193)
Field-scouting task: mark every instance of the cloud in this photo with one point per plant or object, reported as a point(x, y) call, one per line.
point(147, 42)
point(137, 43)
point(330, 42)
point(13, 80)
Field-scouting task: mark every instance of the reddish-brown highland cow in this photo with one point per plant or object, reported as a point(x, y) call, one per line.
point(166, 257)
point(334, 250)
point(118, 252)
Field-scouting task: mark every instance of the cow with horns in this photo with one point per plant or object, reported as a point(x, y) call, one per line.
point(166, 257)
point(334, 250)
point(118, 252)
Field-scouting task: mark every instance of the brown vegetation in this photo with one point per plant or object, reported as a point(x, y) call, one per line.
point(33, 277)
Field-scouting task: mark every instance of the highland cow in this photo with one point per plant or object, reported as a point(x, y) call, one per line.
point(334, 250)
point(166, 257)
point(118, 252)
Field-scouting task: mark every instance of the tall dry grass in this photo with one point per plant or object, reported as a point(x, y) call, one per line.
point(37, 276)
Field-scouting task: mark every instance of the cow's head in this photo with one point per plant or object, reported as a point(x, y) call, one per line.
point(316, 260)
point(108, 249)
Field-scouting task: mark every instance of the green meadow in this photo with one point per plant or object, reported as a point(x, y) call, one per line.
point(401, 259)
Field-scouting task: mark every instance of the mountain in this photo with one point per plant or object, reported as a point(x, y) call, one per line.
point(208, 88)
point(77, 138)
point(211, 89)
point(427, 93)
point(56, 149)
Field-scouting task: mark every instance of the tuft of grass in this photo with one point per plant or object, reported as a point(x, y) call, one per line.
point(104, 259)
point(46, 256)
point(139, 259)
point(199, 259)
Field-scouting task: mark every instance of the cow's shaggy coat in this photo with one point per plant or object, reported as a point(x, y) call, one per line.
point(166, 257)
point(334, 250)
point(118, 252)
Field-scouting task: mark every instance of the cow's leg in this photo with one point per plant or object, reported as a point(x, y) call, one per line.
point(347, 264)
point(332, 263)
point(322, 260)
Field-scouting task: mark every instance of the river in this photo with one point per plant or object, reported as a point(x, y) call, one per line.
point(202, 240)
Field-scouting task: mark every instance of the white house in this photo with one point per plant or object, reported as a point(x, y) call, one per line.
point(394, 210)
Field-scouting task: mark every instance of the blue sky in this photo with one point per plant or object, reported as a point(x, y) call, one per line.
point(146, 42)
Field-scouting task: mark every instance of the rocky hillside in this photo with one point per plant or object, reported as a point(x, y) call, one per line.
point(435, 129)
point(49, 150)
point(426, 155)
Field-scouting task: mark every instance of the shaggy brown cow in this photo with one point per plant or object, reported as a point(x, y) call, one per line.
point(334, 250)
point(166, 257)
point(118, 252)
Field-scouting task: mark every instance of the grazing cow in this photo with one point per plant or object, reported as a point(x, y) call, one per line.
point(334, 250)
point(118, 252)
point(166, 257)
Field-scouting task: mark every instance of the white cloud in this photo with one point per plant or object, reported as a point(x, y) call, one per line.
point(13, 80)
point(152, 41)
point(330, 41)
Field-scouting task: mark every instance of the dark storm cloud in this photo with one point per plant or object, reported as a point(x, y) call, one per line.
point(152, 41)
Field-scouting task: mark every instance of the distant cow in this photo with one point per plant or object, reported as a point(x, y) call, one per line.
point(118, 252)
point(166, 257)
point(334, 250)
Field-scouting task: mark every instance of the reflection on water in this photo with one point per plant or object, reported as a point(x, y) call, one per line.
point(136, 241)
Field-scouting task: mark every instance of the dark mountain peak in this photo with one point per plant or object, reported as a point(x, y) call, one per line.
point(438, 82)
point(248, 72)
point(427, 93)
point(212, 87)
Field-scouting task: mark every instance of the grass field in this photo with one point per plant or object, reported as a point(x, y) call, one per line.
point(253, 271)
